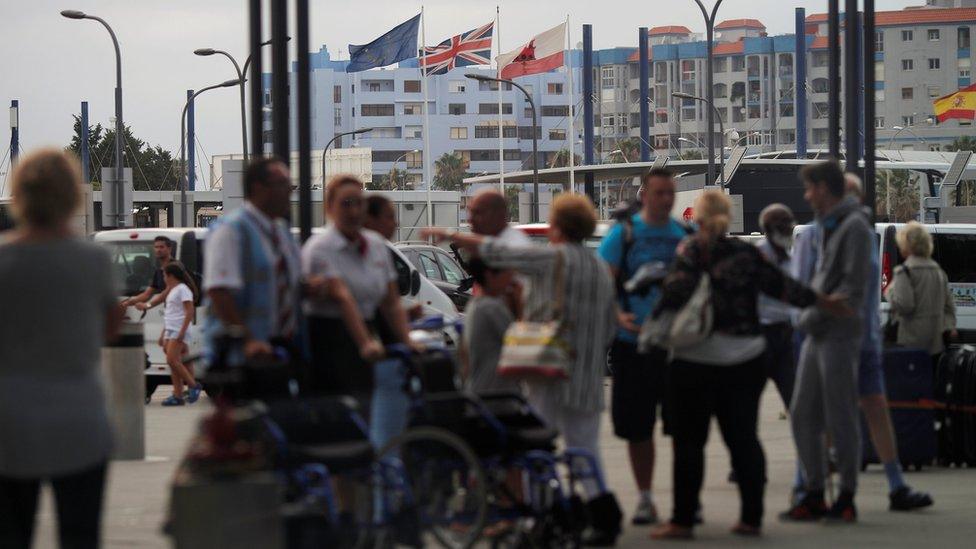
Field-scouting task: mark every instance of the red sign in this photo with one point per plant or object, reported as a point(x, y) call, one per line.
point(688, 214)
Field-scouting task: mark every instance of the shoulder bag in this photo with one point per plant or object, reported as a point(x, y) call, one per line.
point(687, 326)
point(538, 350)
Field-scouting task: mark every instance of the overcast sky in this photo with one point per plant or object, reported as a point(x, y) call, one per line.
point(51, 64)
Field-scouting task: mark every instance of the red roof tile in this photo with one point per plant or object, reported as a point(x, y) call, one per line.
point(669, 29)
point(740, 23)
point(819, 43)
point(728, 48)
point(635, 57)
point(913, 16)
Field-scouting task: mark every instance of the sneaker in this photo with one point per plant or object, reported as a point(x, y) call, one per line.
point(906, 499)
point(811, 508)
point(646, 513)
point(843, 509)
point(194, 393)
point(174, 400)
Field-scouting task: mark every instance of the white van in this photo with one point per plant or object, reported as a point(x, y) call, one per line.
point(954, 251)
point(134, 264)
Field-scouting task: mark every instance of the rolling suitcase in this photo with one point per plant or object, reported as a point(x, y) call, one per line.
point(908, 378)
point(955, 376)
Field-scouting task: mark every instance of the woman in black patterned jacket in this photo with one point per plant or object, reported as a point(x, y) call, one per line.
point(722, 375)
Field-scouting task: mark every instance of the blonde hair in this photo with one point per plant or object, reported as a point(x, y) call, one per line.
point(713, 212)
point(914, 239)
point(338, 181)
point(46, 188)
point(574, 215)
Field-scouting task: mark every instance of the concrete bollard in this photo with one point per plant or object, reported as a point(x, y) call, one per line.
point(123, 369)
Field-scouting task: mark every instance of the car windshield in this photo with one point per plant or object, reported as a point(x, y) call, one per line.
point(134, 264)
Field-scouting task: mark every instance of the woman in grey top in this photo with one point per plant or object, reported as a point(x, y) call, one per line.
point(919, 294)
point(60, 305)
point(589, 321)
point(486, 318)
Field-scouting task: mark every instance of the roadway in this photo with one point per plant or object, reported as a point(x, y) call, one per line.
point(138, 493)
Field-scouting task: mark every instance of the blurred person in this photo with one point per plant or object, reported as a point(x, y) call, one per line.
point(825, 399)
point(380, 216)
point(181, 294)
point(639, 380)
point(488, 215)
point(486, 319)
point(163, 251)
point(723, 375)
point(589, 319)
point(777, 222)
point(53, 423)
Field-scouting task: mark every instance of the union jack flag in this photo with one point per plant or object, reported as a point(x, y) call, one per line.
point(466, 49)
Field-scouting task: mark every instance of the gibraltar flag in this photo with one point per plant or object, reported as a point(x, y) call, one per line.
point(541, 54)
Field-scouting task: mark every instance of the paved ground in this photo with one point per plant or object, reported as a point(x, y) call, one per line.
point(138, 493)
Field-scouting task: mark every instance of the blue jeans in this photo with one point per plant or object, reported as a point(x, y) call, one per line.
point(390, 406)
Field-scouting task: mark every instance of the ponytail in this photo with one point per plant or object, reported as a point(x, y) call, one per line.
point(179, 272)
point(713, 212)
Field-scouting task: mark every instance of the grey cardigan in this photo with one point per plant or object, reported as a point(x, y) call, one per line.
point(922, 302)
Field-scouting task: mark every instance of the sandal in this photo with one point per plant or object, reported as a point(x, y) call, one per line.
point(746, 530)
point(671, 531)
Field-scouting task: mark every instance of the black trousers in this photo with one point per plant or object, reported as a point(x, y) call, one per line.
point(780, 359)
point(78, 499)
point(731, 394)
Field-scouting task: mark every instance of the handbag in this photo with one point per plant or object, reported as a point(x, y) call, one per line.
point(538, 350)
point(688, 326)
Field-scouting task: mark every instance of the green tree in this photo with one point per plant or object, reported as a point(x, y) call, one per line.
point(964, 143)
point(449, 172)
point(512, 197)
point(561, 159)
point(396, 179)
point(630, 148)
point(691, 155)
point(153, 167)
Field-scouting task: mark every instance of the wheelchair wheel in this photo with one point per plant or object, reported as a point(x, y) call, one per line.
point(444, 489)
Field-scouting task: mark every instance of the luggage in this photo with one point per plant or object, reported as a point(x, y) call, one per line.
point(955, 395)
point(908, 378)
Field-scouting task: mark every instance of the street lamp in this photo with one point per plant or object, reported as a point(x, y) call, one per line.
point(693, 143)
point(183, 177)
point(393, 168)
point(709, 91)
point(535, 138)
point(721, 127)
point(241, 74)
point(119, 135)
point(333, 140)
point(621, 153)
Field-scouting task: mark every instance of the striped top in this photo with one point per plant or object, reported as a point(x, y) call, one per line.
point(589, 310)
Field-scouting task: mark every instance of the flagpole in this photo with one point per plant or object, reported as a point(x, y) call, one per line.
point(423, 84)
point(501, 128)
point(572, 104)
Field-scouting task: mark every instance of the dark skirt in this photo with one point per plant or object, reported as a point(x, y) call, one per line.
point(337, 368)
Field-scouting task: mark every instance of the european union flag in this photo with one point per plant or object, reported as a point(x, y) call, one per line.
point(398, 44)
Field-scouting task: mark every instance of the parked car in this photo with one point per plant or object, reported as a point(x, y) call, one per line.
point(441, 268)
point(134, 263)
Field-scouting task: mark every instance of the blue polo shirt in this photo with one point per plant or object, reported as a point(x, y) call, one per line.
point(649, 243)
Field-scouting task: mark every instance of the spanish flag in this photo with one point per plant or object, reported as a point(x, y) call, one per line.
point(961, 104)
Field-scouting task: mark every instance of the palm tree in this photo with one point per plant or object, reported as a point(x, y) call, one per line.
point(395, 179)
point(630, 148)
point(964, 143)
point(449, 172)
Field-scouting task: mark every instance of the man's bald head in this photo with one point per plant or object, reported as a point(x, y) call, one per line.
point(853, 186)
point(488, 212)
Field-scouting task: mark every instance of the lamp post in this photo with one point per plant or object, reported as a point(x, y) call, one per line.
point(183, 182)
point(692, 142)
point(393, 168)
point(241, 75)
point(535, 138)
point(119, 135)
point(333, 140)
point(709, 56)
point(721, 127)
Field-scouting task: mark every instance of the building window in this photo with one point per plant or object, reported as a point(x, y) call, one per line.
point(879, 72)
point(879, 122)
point(820, 135)
point(608, 122)
point(411, 86)
point(554, 88)
point(337, 116)
point(962, 37)
point(720, 64)
point(456, 86)
point(376, 110)
point(965, 65)
point(907, 65)
point(337, 94)
point(879, 96)
point(933, 35)
point(414, 159)
point(820, 59)
point(879, 41)
point(965, 122)
point(935, 91)
point(786, 110)
point(908, 93)
point(557, 135)
point(373, 86)
point(738, 63)
point(908, 120)
point(525, 132)
point(456, 108)
point(413, 108)
point(907, 35)
point(555, 110)
point(935, 63)
point(820, 85)
point(492, 86)
point(459, 133)
point(819, 111)
point(607, 79)
point(492, 108)
point(413, 132)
